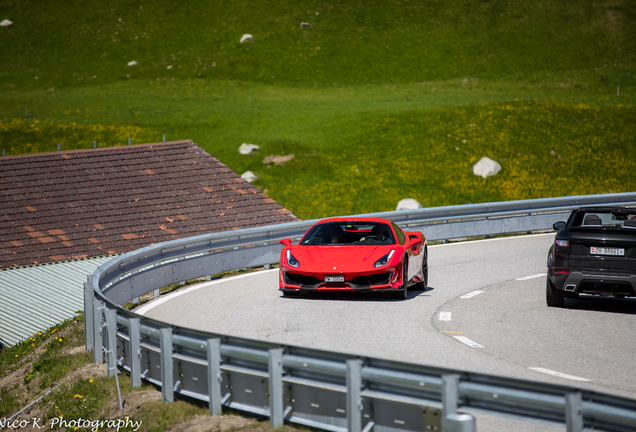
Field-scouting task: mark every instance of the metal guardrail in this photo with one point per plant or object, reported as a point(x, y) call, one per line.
point(325, 390)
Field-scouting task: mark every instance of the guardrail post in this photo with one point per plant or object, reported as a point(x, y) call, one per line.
point(214, 376)
point(276, 418)
point(354, 398)
point(450, 394)
point(167, 381)
point(574, 412)
point(97, 331)
point(88, 314)
point(135, 352)
point(452, 421)
point(111, 356)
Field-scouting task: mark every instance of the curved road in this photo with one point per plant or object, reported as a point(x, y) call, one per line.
point(484, 311)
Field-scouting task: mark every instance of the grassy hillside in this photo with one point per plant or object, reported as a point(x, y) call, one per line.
point(349, 42)
point(375, 99)
point(50, 378)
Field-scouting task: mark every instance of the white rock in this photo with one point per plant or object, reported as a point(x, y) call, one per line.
point(246, 37)
point(132, 63)
point(305, 25)
point(6, 23)
point(247, 148)
point(408, 204)
point(249, 176)
point(486, 167)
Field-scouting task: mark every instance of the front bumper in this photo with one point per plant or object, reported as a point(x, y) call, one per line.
point(376, 282)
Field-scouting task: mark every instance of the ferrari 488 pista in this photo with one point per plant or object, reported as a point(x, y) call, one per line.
point(354, 254)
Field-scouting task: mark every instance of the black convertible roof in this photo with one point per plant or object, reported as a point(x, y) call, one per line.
point(606, 209)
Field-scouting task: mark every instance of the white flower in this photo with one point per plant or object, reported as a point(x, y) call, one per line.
point(169, 67)
point(132, 63)
point(246, 37)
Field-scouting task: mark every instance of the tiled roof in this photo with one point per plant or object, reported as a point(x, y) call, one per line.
point(83, 203)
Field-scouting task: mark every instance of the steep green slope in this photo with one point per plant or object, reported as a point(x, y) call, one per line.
point(349, 42)
point(376, 86)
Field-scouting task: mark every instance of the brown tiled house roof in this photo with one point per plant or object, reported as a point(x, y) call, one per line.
point(82, 203)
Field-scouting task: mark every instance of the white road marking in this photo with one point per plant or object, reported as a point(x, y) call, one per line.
point(151, 304)
point(466, 341)
point(444, 316)
point(471, 294)
point(559, 374)
point(538, 275)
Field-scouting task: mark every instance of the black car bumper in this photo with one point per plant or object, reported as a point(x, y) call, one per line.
point(593, 282)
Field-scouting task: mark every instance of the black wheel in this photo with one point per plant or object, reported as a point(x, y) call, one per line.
point(554, 297)
point(422, 285)
point(403, 292)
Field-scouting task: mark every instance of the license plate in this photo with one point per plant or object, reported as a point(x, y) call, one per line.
point(607, 251)
point(334, 278)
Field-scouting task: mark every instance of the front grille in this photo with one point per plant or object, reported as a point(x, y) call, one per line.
point(298, 279)
point(376, 279)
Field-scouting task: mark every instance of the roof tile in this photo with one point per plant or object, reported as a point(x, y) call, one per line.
point(99, 201)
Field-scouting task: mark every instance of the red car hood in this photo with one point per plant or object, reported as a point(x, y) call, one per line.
point(337, 259)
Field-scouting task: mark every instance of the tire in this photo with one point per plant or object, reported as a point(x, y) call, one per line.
point(422, 285)
point(403, 292)
point(554, 297)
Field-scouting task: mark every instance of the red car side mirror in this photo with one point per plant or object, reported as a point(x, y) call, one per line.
point(286, 242)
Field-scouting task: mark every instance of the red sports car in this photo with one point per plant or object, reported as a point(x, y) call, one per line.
point(354, 254)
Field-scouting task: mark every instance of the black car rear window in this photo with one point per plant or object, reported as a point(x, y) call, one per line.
point(604, 219)
point(348, 233)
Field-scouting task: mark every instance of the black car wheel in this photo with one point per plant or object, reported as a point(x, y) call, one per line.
point(403, 292)
point(422, 285)
point(554, 297)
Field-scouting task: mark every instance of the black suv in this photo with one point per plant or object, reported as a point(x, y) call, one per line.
point(593, 253)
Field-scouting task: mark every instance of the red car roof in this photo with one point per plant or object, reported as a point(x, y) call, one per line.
point(354, 218)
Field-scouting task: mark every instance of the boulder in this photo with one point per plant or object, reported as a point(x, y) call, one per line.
point(247, 148)
point(246, 37)
point(486, 167)
point(249, 176)
point(408, 204)
point(278, 159)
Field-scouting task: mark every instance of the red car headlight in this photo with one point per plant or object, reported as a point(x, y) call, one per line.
point(291, 260)
point(384, 260)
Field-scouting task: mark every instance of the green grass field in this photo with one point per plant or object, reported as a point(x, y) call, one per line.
point(377, 100)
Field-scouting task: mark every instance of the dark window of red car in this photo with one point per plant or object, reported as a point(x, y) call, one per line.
point(399, 233)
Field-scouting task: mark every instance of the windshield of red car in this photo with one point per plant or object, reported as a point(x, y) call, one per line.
point(605, 219)
point(348, 233)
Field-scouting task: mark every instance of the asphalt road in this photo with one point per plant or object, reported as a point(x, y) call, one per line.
point(484, 311)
